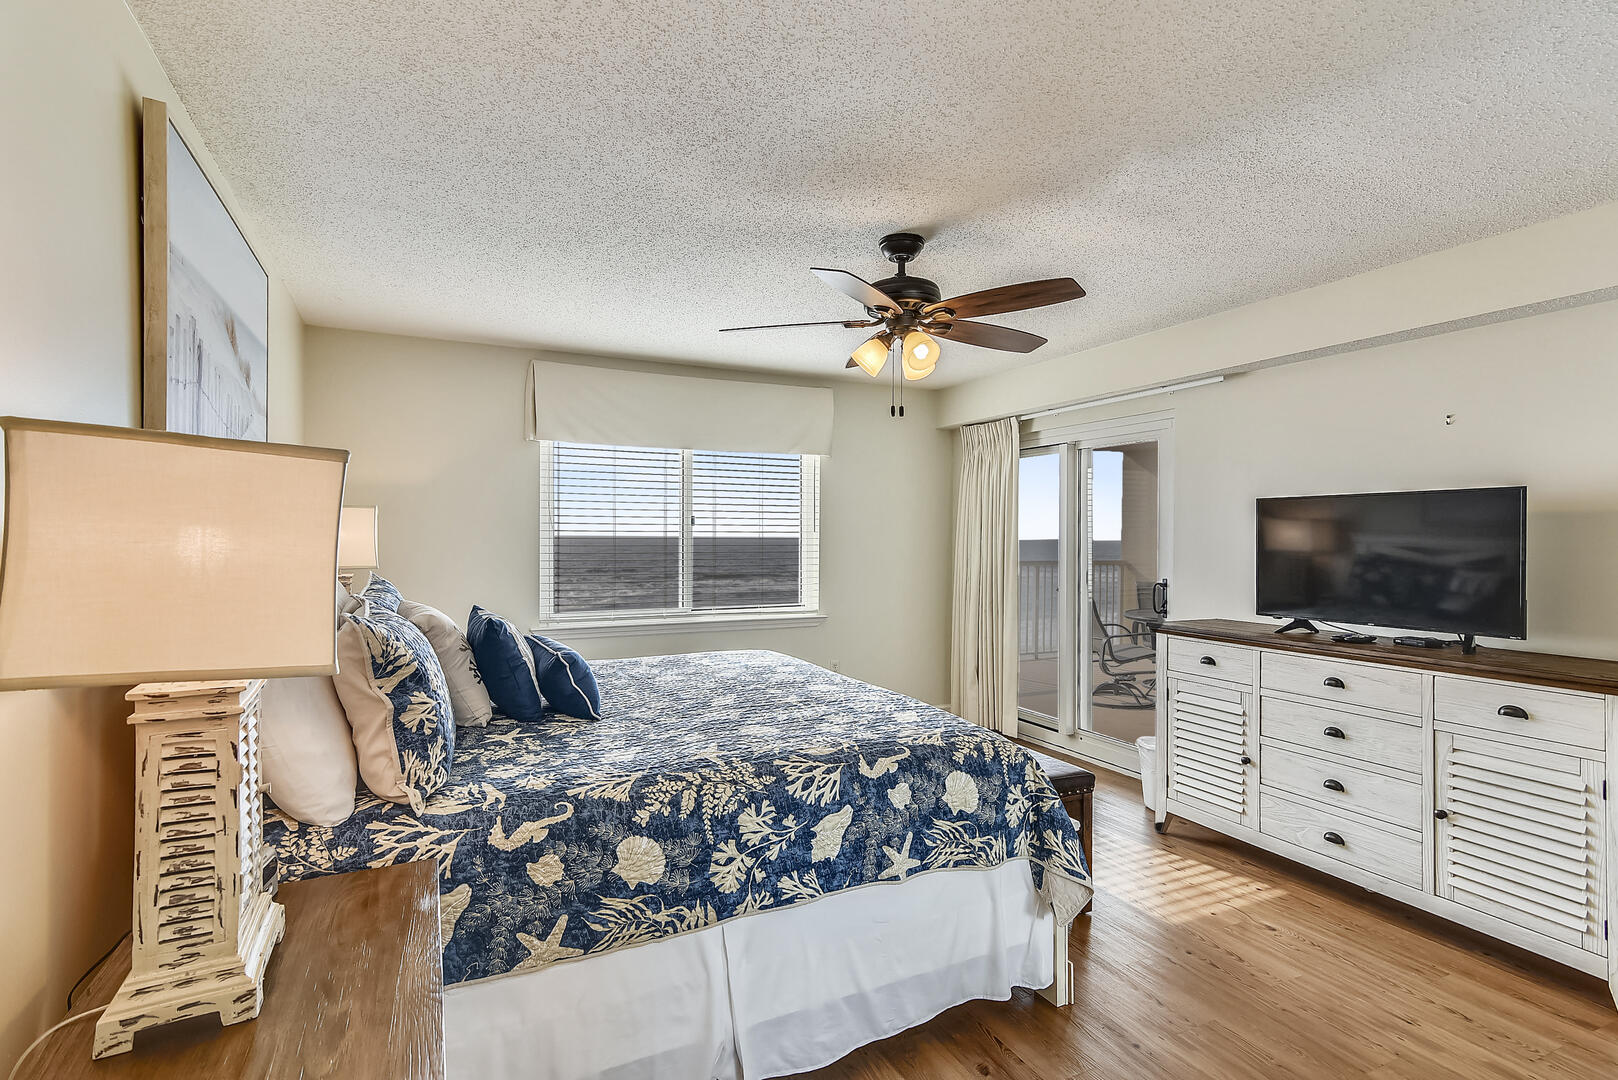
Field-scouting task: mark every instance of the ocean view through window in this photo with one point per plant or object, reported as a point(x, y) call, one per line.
point(642, 533)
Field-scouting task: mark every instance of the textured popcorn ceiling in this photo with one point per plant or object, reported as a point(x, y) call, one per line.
point(626, 178)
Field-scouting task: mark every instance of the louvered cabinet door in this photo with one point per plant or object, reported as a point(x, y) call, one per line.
point(1521, 837)
point(1211, 747)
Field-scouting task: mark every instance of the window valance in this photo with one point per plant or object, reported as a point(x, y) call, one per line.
point(580, 403)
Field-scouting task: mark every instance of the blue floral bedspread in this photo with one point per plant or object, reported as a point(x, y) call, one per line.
point(717, 784)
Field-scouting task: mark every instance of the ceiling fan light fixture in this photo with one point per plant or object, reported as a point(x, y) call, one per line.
point(905, 305)
point(872, 356)
point(920, 355)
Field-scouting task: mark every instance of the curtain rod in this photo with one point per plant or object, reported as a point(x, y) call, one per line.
point(1166, 388)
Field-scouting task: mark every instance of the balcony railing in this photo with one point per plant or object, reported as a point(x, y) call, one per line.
point(1039, 610)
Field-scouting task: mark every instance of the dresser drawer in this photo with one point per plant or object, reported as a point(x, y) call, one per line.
point(1374, 686)
point(1232, 663)
point(1336, 782)
point(1383, 851)
point(1394, 743)
point(1511, 709)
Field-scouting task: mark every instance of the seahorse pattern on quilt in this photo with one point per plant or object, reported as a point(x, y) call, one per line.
point(715, 786)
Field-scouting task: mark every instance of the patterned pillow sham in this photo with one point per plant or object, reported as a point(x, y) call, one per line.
point(394, 692)
point(506, 663)
point(467, 695)
point(565, 680)
point(380, 592)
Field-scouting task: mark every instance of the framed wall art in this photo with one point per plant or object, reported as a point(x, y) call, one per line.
point(206, 298)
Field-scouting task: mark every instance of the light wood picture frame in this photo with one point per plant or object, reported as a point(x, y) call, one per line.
point(206, 298)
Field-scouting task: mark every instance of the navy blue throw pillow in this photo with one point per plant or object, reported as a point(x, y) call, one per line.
point(564, 678)
point(505, 663)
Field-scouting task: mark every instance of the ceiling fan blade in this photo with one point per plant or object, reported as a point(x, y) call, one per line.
point(988, 336)
point(788, 325)
point(857, 287)
point(1029, 294)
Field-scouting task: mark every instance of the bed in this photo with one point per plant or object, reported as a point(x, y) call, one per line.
point(749, 867)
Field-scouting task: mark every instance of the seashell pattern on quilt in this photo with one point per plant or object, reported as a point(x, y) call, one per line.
point(715, 786)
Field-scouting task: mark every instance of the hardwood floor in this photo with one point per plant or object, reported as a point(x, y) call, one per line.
point(1208, 958)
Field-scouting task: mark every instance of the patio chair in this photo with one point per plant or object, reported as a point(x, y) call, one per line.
point(1128, 658)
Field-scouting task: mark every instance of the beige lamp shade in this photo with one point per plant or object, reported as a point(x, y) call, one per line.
point(356, 539)
point(142, 556)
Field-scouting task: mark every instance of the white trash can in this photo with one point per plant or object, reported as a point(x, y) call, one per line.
point(1147, 745)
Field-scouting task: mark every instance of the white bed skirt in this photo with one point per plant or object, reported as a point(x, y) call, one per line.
point(765, 995)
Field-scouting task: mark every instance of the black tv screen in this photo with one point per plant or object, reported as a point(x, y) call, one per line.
point(1438, 561)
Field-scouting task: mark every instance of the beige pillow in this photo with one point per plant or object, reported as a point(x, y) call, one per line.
point(467, 696)
point(307, 750)
point(347, 602)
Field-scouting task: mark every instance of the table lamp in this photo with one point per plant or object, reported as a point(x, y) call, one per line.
point(356, 542)
point(196, 567)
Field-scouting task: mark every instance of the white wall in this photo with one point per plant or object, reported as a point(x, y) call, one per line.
point(1534, 402)
point(70, 308)
point(436, 430)
point(1566, 256)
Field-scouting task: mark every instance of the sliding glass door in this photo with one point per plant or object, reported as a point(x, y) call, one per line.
point(1092, 584)
point(1121, 494)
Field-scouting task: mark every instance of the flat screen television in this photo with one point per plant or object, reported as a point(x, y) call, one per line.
point(1438, 561)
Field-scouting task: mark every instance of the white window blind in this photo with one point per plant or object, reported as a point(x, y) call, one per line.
point(632, 532)
point(616, 535)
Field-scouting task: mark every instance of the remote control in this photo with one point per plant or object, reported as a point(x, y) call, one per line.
point(1419, 642)
point(1355, 639)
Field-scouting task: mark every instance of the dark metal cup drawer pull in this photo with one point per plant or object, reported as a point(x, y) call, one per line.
point(1207, 660)
point(1333, 785)
point(1334, 733)
point(1334, 682)
point(1516, 712)
point(1333, 838)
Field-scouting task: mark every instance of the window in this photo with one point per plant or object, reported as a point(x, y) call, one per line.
point(632, 533)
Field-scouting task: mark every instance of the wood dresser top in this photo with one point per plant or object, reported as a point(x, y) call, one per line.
point(354, 990)
point(1540, 669)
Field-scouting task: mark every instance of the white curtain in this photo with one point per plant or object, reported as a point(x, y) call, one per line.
point(983, 645)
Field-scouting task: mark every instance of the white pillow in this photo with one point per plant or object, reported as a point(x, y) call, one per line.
point(469, 700)
point(307, 750)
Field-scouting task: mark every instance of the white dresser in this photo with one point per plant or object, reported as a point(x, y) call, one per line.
point(1474, 787)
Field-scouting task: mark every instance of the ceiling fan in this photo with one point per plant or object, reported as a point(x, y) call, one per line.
point(914, 320)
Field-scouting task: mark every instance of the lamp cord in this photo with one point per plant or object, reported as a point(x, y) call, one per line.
point(47, 1033)
point(93, 966)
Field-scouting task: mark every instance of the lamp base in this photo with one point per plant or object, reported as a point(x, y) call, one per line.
point(233, 988)
point(205, 917)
